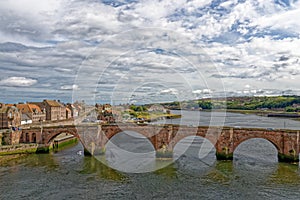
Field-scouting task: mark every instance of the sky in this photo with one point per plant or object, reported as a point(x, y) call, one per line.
point(131, 51)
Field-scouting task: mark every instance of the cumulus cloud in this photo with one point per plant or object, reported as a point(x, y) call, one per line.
point(169, 91)
point(249, 42)
point(18, 82)
point(29, 22)
point(69, 87)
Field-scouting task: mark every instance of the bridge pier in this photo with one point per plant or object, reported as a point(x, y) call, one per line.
point(224, 156)
point(43, 149)
point(86, 152)
point(290, 158)
point(164, 153)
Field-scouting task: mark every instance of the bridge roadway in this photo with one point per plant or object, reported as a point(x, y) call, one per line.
point(164, 137)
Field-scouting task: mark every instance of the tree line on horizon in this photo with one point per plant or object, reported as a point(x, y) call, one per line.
point(284, 103)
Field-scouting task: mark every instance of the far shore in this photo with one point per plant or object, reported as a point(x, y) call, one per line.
point(255, 112)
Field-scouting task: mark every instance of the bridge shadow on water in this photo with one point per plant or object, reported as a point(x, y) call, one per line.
point(88, 166)
point(255, 155)
point(194, 155)
point(130, 152)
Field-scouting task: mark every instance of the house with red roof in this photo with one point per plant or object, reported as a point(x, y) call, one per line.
point(32, 112)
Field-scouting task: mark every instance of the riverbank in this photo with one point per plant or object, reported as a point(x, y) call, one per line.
point(266, 113)
point(63, 143)
point(18, 149)
point(10, 152)
point(154, 117)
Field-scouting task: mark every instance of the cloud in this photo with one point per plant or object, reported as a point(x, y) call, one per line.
point(237, 42)
point(69, 87)
point(18, 82)
point(29, 22)
point(169, 91)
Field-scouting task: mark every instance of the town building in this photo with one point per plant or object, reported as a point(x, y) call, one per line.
point(10, 117)
point(25, 119)
point(55, 110)
point(105, 113)
point(68, 113)
point(75, 109)
point(31, 112)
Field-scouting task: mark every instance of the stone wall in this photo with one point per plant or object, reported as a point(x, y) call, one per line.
point(18, 149)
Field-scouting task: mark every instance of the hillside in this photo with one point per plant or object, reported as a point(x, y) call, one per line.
point(278, 103)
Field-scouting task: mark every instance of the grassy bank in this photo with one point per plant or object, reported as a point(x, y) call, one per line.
point(18, 149)
point(154, 117)
point(63, 144)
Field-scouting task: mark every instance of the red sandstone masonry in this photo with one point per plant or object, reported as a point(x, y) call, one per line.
point(223, 138)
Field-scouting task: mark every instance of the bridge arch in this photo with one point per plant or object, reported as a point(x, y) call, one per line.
point(236, 144)
point(21, 139)
point(52, 135)
point(206, 146)
point(180, 137)
point(111, 134)
point(27, 137)
point(256, 150)
point(33, 137)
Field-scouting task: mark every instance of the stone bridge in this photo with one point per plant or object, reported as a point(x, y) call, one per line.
point(165, 137)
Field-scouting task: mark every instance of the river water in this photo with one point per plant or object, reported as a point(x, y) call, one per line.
point(253, 174)
point(230, 119)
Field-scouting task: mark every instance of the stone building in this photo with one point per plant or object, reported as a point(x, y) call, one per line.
point(54, 109)
point(10, 117)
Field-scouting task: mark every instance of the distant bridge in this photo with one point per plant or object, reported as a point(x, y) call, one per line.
point(165, 137)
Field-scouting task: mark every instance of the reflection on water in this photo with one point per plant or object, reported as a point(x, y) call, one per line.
point(98, 170)
point(130, 152)
point(256, 151)
point(258, 157)
point(285, 174)
point(194, 154)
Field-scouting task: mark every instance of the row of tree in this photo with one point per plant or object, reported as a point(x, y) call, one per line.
point(287, 103)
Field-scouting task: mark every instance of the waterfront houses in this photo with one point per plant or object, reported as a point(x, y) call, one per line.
point(68, 113)
point(31, 113)
point(74, 108)
point(10, 116)
point(55, 110)
point(25, 119)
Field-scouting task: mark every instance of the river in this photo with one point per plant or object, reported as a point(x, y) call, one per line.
point(231, 119)
point(253, 174)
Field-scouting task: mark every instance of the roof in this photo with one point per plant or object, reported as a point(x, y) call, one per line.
point(4, 108)
point(25, 117)
point(53, 103)
point(28, 108)
point(23, 108)
point(34, 107)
